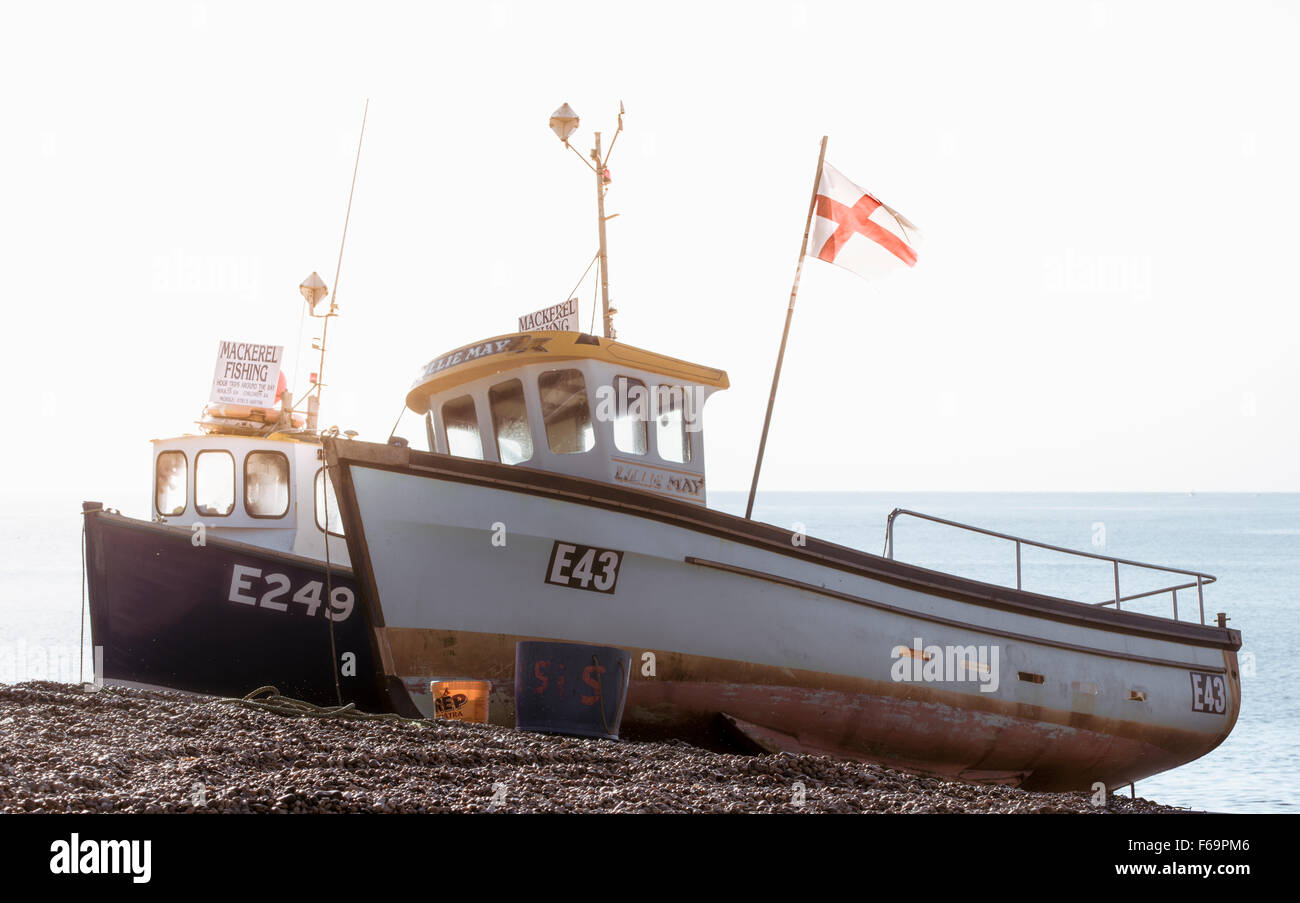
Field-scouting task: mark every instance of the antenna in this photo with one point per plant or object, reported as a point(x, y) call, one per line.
point(313, 401)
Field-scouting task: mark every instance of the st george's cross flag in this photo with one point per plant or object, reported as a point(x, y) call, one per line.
point(855, 230)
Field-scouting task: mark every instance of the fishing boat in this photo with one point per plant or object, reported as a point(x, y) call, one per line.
point(240, 577)
point(563, 498)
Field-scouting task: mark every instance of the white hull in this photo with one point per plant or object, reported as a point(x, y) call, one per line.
point(803, 653)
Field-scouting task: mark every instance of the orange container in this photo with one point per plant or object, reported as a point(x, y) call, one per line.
point(461, 700)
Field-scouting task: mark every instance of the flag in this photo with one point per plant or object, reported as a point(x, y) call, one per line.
point(855, 230)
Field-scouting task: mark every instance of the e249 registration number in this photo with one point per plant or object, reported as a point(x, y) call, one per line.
point(248, 586)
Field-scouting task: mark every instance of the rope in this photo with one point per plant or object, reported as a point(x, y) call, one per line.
point(268, 699)
point(396, 423)
point(578, 284)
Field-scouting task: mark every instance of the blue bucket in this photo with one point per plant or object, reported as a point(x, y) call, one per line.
point(570, 688)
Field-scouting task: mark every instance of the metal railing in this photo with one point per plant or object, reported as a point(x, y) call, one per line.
point(1199, 583)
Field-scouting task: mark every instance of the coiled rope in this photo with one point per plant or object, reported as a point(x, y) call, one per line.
point(268, 699)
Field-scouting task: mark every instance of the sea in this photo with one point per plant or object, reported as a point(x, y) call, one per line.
point(1250, 542)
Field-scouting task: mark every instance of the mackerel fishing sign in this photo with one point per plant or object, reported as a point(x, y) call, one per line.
point(562, 317)
point(246, 374)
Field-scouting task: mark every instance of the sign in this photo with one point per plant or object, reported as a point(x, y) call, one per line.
point(583, 567)
point(666, 481)
point(515, 344)
point(1209, 693)
point(561, 317)
point(246, 374)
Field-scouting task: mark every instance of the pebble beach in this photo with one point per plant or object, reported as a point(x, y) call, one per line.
point(68, 749)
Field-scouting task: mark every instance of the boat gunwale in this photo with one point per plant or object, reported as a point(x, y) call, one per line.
point(211, 539)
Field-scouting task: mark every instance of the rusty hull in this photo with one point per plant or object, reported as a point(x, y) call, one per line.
point(913, 726)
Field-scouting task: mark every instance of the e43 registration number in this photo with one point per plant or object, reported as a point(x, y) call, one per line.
point(1209, 693)
point(583, 567)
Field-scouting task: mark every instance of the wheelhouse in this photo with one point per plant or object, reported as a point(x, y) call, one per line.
point(572, 403)
point(267, 490)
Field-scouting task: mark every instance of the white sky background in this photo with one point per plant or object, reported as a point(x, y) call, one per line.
point(1105, 299)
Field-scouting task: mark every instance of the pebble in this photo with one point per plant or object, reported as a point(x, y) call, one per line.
point(64, 749)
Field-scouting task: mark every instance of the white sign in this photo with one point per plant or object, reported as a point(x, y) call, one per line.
point(246, 374)
point(561, 317)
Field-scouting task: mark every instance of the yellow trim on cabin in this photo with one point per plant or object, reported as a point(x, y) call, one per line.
point(307, 439)
point(513, 350)
point(277, 436)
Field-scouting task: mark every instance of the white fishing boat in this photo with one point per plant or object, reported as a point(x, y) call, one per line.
point(564, 498)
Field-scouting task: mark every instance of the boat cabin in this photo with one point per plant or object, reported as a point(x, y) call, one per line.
point(571, 403)
point(269, 491)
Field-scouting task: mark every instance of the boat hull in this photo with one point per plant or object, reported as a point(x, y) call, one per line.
point(793, 643)
point(222, 617)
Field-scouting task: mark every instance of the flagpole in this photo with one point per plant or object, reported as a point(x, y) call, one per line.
point(785, 333)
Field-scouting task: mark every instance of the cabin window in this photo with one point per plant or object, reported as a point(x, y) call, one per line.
point(631, 415)
point(171, 483)
point(510, 422)
point(565, 412)
point(460, 423)
point(266, 484)
point(214, 483)
point(327, 506)
point(671, 436)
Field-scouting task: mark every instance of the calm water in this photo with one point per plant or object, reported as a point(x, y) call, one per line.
point(1251, 542)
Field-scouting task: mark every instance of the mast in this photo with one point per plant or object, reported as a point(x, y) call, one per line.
point(313, 400)
point(785, 333)
point(564, 122)
point(606, 314)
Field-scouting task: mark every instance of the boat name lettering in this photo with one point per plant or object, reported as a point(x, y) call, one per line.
point(583, 567)
point(510, 344)
point(660, 481)
point(1209, 693)
point(244, 590)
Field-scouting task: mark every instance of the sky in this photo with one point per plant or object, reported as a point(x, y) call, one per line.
point(1105, 299)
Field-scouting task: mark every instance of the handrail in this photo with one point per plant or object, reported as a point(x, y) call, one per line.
point(1202, 579)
